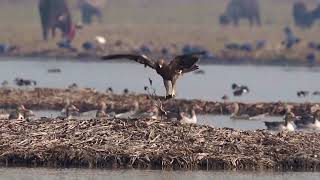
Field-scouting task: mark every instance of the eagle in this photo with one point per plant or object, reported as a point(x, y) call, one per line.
point(170, 71)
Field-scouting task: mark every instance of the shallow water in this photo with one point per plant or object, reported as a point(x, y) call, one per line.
point(211, 120)
point(266, 83)
point(89, 174)
point(225, 121)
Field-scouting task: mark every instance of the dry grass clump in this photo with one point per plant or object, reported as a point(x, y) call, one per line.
point(156, 144)
point(88, 99)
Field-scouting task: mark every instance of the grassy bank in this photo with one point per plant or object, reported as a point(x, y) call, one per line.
point(170, 24)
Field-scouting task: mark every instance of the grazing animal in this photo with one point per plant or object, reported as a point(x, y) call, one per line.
point(55, 14)
point(89, 9)
point(169, 71)
point(237, 9)
point(287, 125)
point(303, 17)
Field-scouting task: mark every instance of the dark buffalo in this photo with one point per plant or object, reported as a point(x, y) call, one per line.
point(303, 17)
point(89, 9)
point(54, 14)
point(237, 9)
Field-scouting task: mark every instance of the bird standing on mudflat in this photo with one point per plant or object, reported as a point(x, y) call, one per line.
point(169, 71)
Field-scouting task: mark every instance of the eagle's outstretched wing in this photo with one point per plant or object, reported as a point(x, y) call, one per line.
point(143, 59)
point(187, 62)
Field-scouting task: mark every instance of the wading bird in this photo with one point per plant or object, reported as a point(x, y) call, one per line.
point(169, 71)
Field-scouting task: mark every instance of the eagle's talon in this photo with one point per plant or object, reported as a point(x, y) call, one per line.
point(169, 96)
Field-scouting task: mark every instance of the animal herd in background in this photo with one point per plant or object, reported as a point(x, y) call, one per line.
point(55, 14)
point(250, 10)
point(303, 17)
point(241, 9)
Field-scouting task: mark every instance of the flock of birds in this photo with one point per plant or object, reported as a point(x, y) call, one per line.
point(70, 111)
point(291, 122)
point(308, 121)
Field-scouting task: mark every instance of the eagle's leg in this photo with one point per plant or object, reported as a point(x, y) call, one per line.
point(167, 84)
point(173, 88)
point(173, 82)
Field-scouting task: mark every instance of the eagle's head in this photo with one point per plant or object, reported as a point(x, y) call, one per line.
point(160, 63)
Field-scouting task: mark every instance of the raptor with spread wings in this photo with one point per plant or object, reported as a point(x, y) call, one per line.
point(169, 71)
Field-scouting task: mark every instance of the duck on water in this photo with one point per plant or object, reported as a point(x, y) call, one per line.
point(287, 125)
point(309, 122)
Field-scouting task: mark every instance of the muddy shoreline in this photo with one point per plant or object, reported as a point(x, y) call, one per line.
point(89, 99)
point(278, 60)
point(153, 144)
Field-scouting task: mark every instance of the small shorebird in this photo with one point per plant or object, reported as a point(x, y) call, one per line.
point(287, 125)
point(191, 119)
point(169, 71)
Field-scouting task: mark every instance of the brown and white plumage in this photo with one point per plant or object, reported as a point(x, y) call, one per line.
point(169, 71)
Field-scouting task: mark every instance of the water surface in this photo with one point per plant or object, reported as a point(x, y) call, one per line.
point(94, 174)
point(218, 121)
point(265, 82)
